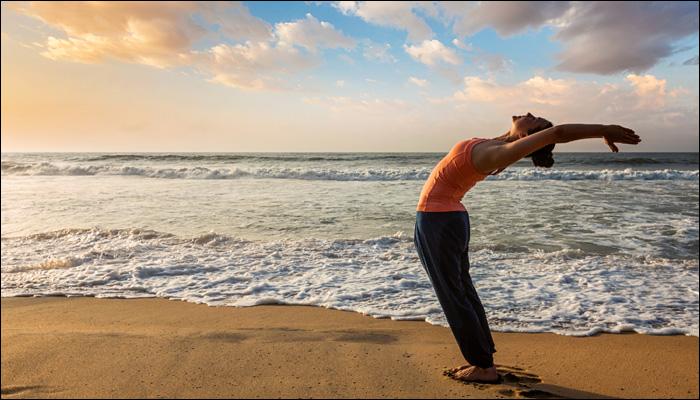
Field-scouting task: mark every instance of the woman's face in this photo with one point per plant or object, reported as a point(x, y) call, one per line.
point(522, 124)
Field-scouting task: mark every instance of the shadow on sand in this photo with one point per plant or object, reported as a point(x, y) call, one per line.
point(518, 383)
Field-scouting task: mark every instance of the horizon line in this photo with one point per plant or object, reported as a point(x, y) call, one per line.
point(310, 152)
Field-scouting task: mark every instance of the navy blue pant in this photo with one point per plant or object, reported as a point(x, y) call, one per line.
point(442, 241)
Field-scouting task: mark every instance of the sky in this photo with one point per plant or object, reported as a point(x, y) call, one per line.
point(341, 76)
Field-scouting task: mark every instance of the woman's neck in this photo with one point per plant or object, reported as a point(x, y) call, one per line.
point(506, 137)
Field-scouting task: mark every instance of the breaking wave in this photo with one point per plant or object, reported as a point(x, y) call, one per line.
point(356, 174)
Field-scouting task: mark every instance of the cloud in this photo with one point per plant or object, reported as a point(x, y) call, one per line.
point(492, 62)
point(378, 52)
point(346, 7)
point(611, 37)
point(362, 106)
point(86, 50)
point(311, 34)
point(599, 37)
point(432, 52)
point(418, 82)
point(340, 83)
point(603, 37)
point(146, 33)
point(346, 58)
point(648, 85)
point(691, 61)
point(644, 101)
point(394, 14)
point(235, 21)
point(651, 90)
point(252, 66)
point(506, 17)
point(536, 90)
point(458, 43)
point(164, 36)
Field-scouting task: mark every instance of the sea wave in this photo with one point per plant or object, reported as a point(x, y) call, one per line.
point(352, 174)
point(537, 174)
point(569, 291)
point(561, 159)
point(291, 157)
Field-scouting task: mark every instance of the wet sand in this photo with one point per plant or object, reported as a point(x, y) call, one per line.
point(146, 348)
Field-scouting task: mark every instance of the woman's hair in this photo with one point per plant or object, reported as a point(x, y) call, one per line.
point(542, 157)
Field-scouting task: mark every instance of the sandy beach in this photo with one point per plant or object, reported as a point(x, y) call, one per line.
point(87, 347)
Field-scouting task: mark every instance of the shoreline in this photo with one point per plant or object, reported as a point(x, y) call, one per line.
point(597, 331)
point(88, 347)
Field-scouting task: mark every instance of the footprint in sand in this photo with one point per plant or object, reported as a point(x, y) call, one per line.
point(529, 394)
point(10, 390)
point(516, 376)
point(512, 382)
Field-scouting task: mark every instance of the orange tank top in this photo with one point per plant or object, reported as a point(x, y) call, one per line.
point(451, 178)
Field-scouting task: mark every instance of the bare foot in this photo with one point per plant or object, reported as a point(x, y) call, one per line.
point(454, 370)
point(477, 374)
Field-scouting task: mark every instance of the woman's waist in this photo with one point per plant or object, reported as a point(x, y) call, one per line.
point(440, 204)
point(442, 194)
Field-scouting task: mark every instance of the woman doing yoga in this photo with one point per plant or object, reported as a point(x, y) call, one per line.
point(442, 223)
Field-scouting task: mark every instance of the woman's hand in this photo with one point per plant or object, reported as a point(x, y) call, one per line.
point(619, 134)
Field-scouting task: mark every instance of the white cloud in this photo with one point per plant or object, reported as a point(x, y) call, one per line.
point(644, 102)
point(346, 7)
point(418, 82)
point(647, 85)
point(537, 90)
point(235, 21)
point(252, 66)
point(458, 43)
point(146, 33)
point(492, 62)
point(340, 83)
point(164, 36)
point(362, 106)
point(378, 52)
point(311, 34)
point(86, 49)
point(394, 14)
point(651, 90)
point(432, 52)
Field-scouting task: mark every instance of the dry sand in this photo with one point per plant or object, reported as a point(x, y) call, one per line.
point(86, 347)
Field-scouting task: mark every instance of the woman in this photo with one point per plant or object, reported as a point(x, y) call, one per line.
point(442, 223)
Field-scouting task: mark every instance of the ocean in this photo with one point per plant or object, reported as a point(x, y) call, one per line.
point(601, 242)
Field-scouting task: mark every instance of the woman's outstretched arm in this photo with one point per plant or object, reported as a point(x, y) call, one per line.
point(489, 157)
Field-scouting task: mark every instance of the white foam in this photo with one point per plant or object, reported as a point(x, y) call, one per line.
point(569, 291)
point(536, 174)
point(51, 263)
point(320, 173)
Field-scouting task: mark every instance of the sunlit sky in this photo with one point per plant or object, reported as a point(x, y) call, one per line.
point(341, 76)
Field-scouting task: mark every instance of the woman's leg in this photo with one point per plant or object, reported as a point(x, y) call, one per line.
point(472, 295)
point(473, 298)
point(441, 239)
